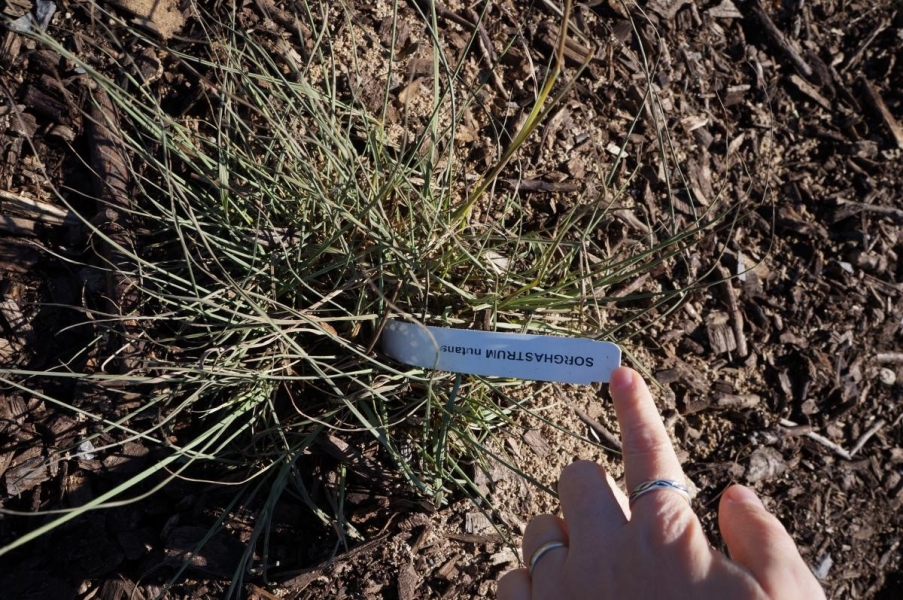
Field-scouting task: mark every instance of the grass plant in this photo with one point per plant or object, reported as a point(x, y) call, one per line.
point(284, 221)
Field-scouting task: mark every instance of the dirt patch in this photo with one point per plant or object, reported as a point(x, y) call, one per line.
point(160, 16)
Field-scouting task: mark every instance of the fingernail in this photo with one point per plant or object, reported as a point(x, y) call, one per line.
point(743, 495)
point(621, 380)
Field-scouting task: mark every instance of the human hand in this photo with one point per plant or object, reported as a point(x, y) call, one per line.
point(653, 546)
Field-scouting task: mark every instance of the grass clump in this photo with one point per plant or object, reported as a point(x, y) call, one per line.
point(285, 214)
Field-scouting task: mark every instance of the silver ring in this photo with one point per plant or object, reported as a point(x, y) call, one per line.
point(659, 484)
point(542, 550)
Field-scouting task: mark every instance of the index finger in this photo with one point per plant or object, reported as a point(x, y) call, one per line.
point(648, 452)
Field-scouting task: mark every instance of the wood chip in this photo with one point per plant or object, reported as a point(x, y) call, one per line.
point(777, 38)
point(490, 56)
point(615, 150)
point(888, 211)
point(20, 226)
point(533, 438)
point(895, 289)
point(475, 539)
point(407, 582)
point(538, 185)
point(667, 8)
point(41, 103)
point(877, 103)
point(120, 589)
point(506, 556)
point(36, 209)
point(737, 401)
point(765, 464)
point(18, 323)
point(734, 312)
point(857, 56)
point(476, 523)
point(575, 53)
point(28, 470)
point(10, 48)
point(17, 257)
point(811, 91)
point(6, 459)
point(16, 8)
point(410, 91)
point(666, 376)
point(449, 570)
point(788, 337)
point(725, 10)
point(629, 218)
point(624, 291)
point(112, 184)
point(790, 219)
point(720, 333)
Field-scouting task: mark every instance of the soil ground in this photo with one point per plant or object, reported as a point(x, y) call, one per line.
point(787, 379)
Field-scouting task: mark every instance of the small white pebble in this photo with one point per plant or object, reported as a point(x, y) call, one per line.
point(86, 449)
point(887, 376)
point(824, 566)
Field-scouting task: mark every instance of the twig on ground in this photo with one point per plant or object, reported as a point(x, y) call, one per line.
point(887, 287)
point(603, 432)
point(471, 538)
point(889, 211)
point(797, 431)
point(811, 91)
point(838, 450)
point(600, 430)
point(489, 54)
point(891, 551)
point(538, 185)
point(857, 56)
point(778, 38)
point(559, 11)
point(877, 103)
point(443, 12)
point(624, 291)
point(730, 298)
point(889, 357)
point(875, 428)
point(304, 578)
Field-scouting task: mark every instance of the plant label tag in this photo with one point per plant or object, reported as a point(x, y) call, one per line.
point(511, 355)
